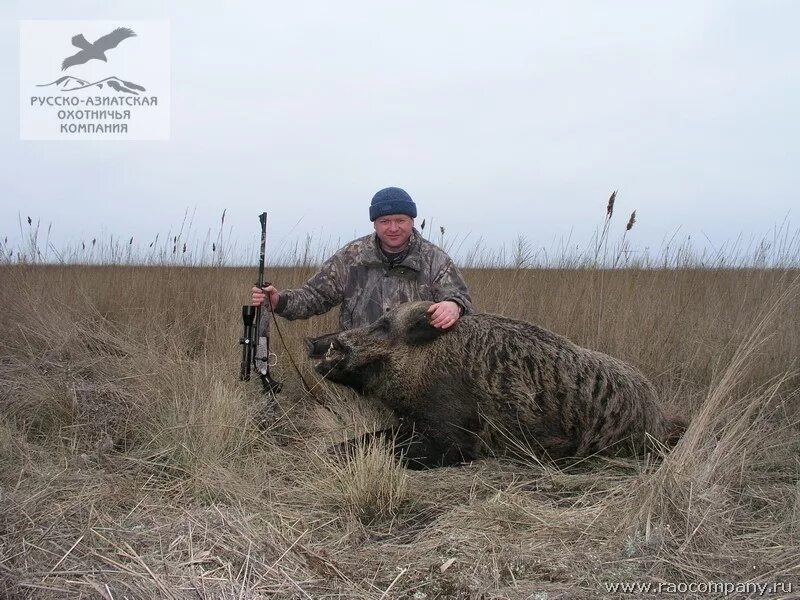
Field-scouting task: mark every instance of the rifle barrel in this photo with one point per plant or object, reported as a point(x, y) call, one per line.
point(263, 250)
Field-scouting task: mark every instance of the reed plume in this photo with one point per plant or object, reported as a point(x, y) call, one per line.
point(631, 221)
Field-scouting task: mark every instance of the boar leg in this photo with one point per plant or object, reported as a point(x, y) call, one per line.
point(411, 448)
point(422, 444)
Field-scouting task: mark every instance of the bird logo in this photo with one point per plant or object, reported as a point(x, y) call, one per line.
point(98, 49)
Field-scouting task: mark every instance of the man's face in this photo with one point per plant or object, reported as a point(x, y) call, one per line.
point(394, 231)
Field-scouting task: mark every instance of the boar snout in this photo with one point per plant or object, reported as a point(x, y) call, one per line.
point(321, 346)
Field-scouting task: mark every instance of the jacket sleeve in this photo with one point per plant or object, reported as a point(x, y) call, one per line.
point(318, 295)
point(450, 286)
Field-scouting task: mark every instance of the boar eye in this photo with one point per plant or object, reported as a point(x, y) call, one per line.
point(381, 326)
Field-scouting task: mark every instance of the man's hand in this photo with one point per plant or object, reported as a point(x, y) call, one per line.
point(444, 314)
point(259, 296)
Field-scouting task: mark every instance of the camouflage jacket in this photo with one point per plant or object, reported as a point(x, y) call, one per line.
point(362, 279)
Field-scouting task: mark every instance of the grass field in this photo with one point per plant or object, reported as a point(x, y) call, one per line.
point(134, 464)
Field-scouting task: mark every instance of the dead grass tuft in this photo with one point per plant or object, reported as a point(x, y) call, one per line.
point(366, 483)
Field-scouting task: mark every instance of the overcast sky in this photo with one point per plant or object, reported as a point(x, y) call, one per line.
point(499, 118)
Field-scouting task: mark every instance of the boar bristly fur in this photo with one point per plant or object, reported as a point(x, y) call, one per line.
point(493, 385)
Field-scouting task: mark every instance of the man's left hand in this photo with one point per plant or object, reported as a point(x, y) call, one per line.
point(444, 315)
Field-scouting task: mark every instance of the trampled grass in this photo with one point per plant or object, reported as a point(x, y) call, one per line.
point(133, 463)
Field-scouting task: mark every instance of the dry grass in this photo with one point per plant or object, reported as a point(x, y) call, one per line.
point(134, 464)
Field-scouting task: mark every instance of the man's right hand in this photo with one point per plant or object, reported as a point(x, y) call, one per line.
point(260, 295)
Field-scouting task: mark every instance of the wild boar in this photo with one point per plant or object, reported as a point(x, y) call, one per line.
point(492, 385)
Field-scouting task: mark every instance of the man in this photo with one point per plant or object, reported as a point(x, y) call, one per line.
point(373, 274)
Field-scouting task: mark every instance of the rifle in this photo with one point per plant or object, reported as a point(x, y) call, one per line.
point(255, 340)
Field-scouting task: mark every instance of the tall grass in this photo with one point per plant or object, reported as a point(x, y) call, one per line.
point(133, 463)
point(609, 246)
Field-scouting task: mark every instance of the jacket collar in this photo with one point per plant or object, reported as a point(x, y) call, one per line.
point(413, 260)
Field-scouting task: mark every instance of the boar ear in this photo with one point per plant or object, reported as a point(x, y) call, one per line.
point(420, 330)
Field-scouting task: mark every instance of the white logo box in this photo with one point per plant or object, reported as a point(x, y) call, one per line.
point(125, 97)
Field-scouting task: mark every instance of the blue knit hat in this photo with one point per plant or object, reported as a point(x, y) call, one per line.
point(392, 201)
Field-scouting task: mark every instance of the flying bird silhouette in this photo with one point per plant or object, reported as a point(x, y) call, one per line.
point(96, 50)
